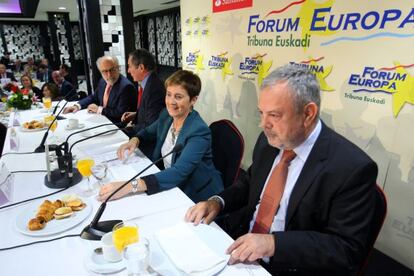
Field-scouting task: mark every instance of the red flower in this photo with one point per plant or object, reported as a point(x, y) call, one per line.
point(14, 88)
point(25, 91)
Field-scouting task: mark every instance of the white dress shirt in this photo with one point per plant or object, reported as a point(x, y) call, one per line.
point(302, 152)
point(167, 147)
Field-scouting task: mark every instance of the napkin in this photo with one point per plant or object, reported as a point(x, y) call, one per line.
point(122, 172)
point(189, 252)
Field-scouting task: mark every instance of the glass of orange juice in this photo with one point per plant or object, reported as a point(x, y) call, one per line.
point(47, 103)
point(85, 169)
point(124, 234)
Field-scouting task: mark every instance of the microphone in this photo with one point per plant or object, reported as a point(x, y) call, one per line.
point(41, 147)
point(66, 98)
point(95, 230)
point(95, 135)
point(86, 129)
point(67, 176)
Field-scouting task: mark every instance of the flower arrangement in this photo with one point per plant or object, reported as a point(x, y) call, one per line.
point(19, 98)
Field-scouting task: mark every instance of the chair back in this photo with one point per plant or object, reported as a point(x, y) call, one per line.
point(3, 133)
point(380, 213)
point(227, 145)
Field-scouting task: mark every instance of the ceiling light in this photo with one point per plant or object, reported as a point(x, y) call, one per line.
point(62, 8)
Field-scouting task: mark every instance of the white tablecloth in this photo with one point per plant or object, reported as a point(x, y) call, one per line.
point(67, 256)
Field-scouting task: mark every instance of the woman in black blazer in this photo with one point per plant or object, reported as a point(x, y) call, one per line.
point(27, 83)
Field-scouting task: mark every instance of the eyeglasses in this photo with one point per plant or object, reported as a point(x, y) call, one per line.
point(111, 70)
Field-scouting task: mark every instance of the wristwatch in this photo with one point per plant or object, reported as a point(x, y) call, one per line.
point(134, 184)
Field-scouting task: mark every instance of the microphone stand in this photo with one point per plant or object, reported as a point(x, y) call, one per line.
point(86, 129)
point(66, 175)
point(41, 147)
point(64, 98)
point(96, 229)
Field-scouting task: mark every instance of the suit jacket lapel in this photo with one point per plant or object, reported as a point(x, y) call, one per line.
point(114, 91)
point(310, 170)
point(183, 132)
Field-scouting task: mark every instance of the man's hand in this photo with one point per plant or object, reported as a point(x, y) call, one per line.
point(128, 117)
point(250, 247)
point(70, 109)
point(93, 108)
point(207, 210)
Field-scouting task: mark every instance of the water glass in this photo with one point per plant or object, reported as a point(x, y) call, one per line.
point(99, 171)
point(136, 256)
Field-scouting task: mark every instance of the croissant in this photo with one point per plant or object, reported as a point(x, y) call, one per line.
point(48, 216)
point(37, 223)
point(57, 204)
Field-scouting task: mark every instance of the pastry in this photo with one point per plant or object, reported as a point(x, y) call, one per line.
point(37, 223)
point(76, 204)
point(63, 212)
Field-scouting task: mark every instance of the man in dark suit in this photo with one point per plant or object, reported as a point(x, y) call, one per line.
point(44, 74)
point(65, 88)
point(6, 60)
point(114, 94)
point(308, 214)
point(150, 94)
point(6, 76)
point(141, 66)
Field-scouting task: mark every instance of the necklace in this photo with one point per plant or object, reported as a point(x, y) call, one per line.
point(174, 134)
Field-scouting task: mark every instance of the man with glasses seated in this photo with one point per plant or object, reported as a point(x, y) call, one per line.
point(114, 94)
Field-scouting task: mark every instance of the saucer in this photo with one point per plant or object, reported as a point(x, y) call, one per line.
point(96, 263)
point(80, 126)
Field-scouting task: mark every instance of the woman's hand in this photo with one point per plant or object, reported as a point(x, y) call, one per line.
point(109, 188)
point(130, 146)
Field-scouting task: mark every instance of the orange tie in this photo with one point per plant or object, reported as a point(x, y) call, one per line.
point(273, 194)
point(106, 94)
point(140, 91)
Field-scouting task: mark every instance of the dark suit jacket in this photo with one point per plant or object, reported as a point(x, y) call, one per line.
point(122, 98)
point(10, 76)
point(42, 76)
point(329, 212)
point(66, 89)
point(192, 169)
point(153, 101)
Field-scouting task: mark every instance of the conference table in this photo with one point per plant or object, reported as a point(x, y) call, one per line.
point(73, 255)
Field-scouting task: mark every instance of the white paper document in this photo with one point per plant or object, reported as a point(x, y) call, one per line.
point(142, 204)
point(188, 247)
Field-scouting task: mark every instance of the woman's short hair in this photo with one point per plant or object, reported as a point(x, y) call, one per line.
point(187, 80)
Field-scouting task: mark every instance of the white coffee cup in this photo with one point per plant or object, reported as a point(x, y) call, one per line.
point(73, 123)
point(109, 251)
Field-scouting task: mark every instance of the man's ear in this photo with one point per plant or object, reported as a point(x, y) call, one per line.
point(310, 112)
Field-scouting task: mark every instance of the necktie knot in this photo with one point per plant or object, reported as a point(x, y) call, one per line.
point(288, 156)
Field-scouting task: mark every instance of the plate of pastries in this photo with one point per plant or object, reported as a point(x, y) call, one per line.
point(33, 125)
point(52, 216)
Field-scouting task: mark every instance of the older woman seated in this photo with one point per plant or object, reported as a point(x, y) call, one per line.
point(192, 169)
